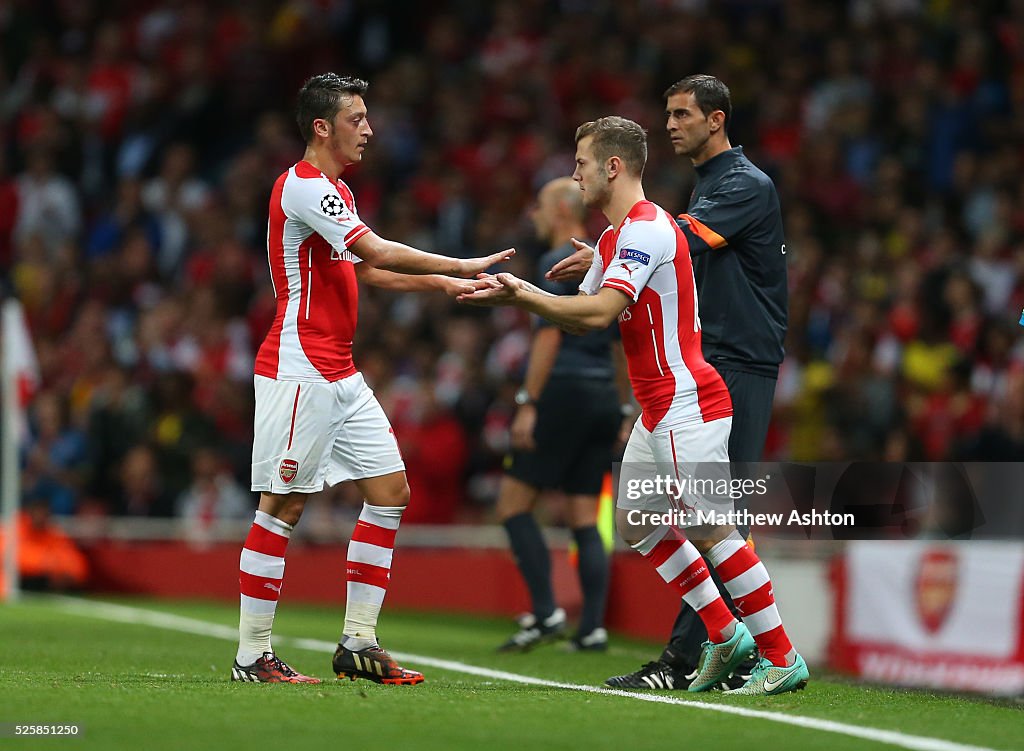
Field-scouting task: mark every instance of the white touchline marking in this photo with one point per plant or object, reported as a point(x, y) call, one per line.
point(127, 614)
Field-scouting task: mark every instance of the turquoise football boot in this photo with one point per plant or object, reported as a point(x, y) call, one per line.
point(769, 680)
point(717, 661)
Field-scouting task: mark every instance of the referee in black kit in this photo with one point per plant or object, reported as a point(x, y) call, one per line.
point(734, 228)
point(567, 420)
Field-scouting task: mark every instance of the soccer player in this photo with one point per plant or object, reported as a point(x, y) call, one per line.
point(734, 229)
point(567, 419)
point(317, 422)
point(641, 274)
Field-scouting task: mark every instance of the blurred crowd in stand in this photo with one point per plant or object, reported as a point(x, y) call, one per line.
point(139, 142)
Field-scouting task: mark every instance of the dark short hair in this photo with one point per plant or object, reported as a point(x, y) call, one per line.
point(617, 136)
point(321, 97)
point(709, 92)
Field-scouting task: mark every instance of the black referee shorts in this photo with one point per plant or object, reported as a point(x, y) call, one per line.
point(577, 423)
point(752, 397)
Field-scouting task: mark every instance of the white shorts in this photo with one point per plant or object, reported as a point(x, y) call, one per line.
point(311, 434)
point(678, 469)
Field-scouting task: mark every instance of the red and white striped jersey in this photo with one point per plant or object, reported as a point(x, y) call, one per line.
point(313, 222)
point(648, 258)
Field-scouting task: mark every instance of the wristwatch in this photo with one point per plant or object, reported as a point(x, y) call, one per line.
point(523, 397)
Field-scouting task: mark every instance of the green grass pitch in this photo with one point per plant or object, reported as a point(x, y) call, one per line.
point(138, 686)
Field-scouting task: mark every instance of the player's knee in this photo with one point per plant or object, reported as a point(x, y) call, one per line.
point(630, 532)
point(404, 494)
point(288, 508)
point(583, 511)
point(514, 497)
point(388, 490)
point(396, 493)
point(705, 537)
point(509, 506)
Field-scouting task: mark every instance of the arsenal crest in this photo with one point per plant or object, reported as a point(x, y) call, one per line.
point(289, 468)
point(935, 587)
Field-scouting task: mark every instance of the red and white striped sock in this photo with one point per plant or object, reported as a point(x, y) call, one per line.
point(677, 562)
point(261, 573)
point(368, 572)
point(750, 587)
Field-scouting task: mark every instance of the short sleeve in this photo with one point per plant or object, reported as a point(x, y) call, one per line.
point(641, 248)
point(318, 204)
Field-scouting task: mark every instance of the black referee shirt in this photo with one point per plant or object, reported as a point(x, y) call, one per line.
point(734, 227)
point(585, 356)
